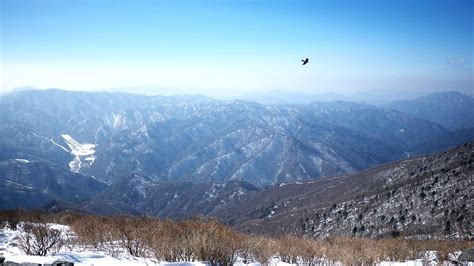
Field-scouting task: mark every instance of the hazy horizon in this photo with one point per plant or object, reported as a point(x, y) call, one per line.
point(155, 90)
point(226, 48)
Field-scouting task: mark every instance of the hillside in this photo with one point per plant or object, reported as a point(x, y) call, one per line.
point(26, 184)
point(424, 197)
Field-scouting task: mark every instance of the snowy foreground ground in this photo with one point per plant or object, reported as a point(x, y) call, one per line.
point(89, 257)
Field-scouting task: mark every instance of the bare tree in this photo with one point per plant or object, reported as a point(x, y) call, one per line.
point(39, 239)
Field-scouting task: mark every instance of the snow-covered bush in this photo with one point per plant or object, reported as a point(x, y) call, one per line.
point(39, 239)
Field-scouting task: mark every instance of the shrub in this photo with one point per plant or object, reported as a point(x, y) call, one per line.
point(168, 242)
point(131, 233)
point(260, 249)
point(39, 239)
point(208, 240)
point(290, 248)
point(198, 239)
point(10, 218)
point(93, 231)
point(212, 242)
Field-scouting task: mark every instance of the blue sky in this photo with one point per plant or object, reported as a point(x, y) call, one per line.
point(236, 46)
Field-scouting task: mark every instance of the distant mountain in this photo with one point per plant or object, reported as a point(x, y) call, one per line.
point(26, 88)
point(452, 110)
point(198, 139)
point(284, 97)
point(423, 197)
point(384, 96)
point(155, 90)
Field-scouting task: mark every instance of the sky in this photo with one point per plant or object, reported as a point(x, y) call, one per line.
point(231, 47)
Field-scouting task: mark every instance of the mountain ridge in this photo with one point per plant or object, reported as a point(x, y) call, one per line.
point(424, 197)
point(452, 110)
point(144, 147)
point(199, 139)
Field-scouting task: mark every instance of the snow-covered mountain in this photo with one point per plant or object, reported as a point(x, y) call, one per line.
point(111, 137)
point(198, 139)
point(424, 197)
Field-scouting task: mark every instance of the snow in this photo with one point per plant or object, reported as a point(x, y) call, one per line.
point(60, 146)
point(83, 153)
point(77, 255)
point(22, 161)
point(318, 162)
point(18, 184)
point(118, 120)
point(212, 193)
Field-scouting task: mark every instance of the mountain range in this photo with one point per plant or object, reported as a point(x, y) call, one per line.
point(180, 156)
point(452, 110)
point(198, 139)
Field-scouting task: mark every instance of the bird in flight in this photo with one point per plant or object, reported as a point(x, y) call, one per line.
point(305, 61)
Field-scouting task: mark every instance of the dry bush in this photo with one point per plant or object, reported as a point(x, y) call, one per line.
point(89, 231)
point(11, 218)
point(211, 241)
point(312, 252)
point(164, 241)
point(132, 233)
point(260, 249)
point(39, 239)
point(351, 250)
point(207, 240)
point(173, 242)
point(289, 249)
point(255, 248)
point(364, 251)
point(198, 239)
point(96, 232)
point(399, 249)
point(244, 250)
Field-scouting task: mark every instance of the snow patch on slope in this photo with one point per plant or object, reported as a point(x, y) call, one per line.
point(83, 153)
point(22, 161)
point(60, 146)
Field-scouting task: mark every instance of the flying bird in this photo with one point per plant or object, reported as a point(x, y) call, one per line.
point(305, 61)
